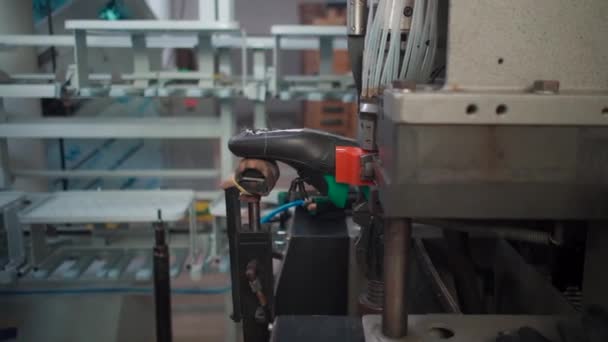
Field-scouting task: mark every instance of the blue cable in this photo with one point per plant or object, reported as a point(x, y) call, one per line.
point(105, 290)
point(281, 209)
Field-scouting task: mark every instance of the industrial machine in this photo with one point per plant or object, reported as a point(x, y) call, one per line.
point(480, 122)
point(469, 208)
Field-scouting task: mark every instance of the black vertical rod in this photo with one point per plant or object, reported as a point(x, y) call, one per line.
point(162, 283)
point(233, 225)
point(64, 181)
point(49, 15)
point(397, 236)
point(253, 208)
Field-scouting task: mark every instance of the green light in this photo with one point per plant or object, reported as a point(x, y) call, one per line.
point(113, 10)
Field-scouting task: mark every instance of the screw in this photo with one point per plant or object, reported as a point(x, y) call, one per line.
point(408, 11)
point(546, 86)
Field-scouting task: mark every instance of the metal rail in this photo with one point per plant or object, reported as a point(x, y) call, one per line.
point(121, 173)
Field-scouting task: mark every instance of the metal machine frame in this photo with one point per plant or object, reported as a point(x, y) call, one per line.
point(515, 132)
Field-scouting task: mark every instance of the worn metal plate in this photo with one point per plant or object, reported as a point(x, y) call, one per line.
point(465, 328)
point(496, 108)
point(510, 44)
point(491, 171)
point(317, 328)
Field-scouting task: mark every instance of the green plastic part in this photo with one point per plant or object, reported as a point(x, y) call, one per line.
point(283, 197)
point(365, 190)
point(337, 192)
point(320, 199)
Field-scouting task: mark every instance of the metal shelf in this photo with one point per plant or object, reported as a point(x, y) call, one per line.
point(167, 128)
point(99, 265)
point(326, 36)
point(8, 197)
point(109, 207)
point(122, 173)
point(210, 40)
point(145, 26)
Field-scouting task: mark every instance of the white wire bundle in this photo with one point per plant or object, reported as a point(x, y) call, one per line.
point(381, 65)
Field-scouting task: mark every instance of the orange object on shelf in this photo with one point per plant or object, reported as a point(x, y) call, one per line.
point(331, 116)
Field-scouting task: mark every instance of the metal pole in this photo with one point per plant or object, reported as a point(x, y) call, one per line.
point(162, 283)
point(233, 225)
point(49, 15)
point(397, 234)
point(356, 15)
point(254, 215)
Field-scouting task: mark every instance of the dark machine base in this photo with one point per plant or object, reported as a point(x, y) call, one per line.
point(317, 329)
point(314, 276)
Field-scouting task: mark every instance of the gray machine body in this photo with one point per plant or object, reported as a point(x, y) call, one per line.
point(519, 129)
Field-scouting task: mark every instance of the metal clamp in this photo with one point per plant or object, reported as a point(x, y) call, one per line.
point(368, 117)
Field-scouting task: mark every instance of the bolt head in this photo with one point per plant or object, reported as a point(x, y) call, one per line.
point(408, 11)
point(546, 86)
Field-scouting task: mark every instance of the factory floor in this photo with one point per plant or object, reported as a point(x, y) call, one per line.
point(203, 317)
point(114, 317)
point(117, 317)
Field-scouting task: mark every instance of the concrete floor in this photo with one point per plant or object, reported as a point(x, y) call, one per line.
point(202, 317)
point(114, 317)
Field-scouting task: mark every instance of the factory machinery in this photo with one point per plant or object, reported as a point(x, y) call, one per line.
point(472, 202)
point(466, 210)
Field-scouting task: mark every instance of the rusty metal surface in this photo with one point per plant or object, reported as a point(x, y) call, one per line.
point(492, 171)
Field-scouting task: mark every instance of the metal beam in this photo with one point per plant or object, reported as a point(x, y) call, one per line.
point(164, 41)
point(152, 26)
point(326, 51)
point(206, 60)
point(225, 10)
point(207, 10)
point(123, 173)
point(96, 128)
point(48, 90)
point(496, 108)
point(308, 30)
point(81, 59)
point(141, 62)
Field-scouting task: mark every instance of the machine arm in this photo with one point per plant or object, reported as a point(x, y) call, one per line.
point(311, 153)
